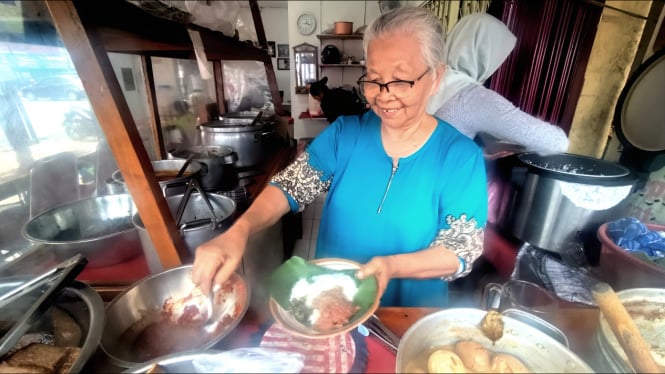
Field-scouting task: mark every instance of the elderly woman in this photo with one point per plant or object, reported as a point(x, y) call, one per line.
point(406, 192)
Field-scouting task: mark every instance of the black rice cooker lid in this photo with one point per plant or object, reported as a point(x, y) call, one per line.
point(639, 118)
point(577, 169)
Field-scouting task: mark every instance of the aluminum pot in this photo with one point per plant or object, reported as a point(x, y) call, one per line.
point(537, 350)
point(252, 139)
point(196, 225)
point(100, 228)
point(218, 170)
point(556, 202)
point(166, 171)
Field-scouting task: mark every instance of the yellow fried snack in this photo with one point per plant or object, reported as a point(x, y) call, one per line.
point(474, 356)
point(445, 361)
point(505, 363)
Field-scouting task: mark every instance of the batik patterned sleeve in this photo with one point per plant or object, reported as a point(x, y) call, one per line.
point(464, 210)
point(311, 173)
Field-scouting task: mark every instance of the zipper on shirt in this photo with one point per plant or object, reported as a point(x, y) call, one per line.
point(390, 181)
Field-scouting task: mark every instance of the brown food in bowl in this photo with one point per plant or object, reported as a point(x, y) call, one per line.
point(334, 310)
point(505, 363)
point(474, 356)
point(445, 361)
point(492, 325)
point(465, 356)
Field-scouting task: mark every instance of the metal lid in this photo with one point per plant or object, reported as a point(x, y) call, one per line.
point(574, 165)
point(640, 113)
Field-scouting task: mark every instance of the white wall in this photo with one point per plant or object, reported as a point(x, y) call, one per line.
point(360, 12)
point(326, 13)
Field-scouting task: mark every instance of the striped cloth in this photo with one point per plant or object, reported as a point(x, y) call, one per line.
point(324, 355)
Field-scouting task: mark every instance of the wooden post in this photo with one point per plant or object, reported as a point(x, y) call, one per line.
point(96, 72)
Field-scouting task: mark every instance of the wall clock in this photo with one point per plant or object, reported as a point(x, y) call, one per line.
point(306, 23)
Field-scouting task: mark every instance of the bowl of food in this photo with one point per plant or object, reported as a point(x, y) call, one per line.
point(63, 339)
point(321, 298)
point(455, 341)
point(151, 318)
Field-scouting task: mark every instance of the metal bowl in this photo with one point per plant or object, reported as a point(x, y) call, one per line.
point(537, 350)
point(295, 327)
point(79, 300)
point(100, 228)
point(140, 306)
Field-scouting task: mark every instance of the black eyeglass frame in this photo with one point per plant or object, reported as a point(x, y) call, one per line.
point(385, 85)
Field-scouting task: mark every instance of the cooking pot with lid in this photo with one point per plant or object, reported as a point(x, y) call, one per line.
point(218, 165)
point(166, 172)
point(252, 138)
point(558, 201)
point(199, 217)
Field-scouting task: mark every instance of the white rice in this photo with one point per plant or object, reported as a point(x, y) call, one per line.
point(309, 290)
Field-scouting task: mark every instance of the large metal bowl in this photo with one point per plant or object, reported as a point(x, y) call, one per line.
point(537, 350)
point(100, 228)
point(140, 306)
point(79, 300)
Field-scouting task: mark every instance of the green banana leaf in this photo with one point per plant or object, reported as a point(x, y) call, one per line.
point(286, 275)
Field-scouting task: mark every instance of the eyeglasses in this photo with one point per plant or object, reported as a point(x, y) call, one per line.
point(399, 88)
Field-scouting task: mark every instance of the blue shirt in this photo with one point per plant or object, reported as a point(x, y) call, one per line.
point(373, 210)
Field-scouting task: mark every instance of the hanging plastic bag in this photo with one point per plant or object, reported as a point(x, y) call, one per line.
point(250, 360)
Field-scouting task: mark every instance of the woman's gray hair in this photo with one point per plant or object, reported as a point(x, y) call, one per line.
point(412, 20)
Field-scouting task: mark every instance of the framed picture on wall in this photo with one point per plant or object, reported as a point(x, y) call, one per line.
point(282, 50)
point(271, 49)
point(283, 64)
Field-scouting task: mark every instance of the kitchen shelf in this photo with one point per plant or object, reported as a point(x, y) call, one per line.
point(307, 115)
point(342, 66)
point(335, 36)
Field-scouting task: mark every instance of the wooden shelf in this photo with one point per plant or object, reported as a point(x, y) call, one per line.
point(306, 115)
point(342, 66)
point(334, 36)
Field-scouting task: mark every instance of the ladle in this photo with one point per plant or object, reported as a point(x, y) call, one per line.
point(624, 328)
point(184, 166)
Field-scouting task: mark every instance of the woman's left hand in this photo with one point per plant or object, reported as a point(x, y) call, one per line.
point(379, 267)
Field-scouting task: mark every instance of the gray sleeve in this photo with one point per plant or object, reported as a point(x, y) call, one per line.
point(479, 109)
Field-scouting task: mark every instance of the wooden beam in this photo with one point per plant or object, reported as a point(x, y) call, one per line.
point(96, 72)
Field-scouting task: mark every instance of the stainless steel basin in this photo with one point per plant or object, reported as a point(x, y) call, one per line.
point(100, 228)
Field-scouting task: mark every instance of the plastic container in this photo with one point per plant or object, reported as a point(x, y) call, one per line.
point(343, 28)
point(622, 270)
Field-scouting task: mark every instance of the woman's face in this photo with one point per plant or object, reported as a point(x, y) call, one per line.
point(399, 57)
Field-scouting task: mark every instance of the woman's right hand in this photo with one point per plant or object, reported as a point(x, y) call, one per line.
point(218, 258)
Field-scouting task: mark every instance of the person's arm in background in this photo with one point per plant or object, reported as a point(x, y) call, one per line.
point(479, 109)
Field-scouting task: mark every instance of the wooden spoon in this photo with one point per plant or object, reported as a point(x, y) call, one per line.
point(624, 328)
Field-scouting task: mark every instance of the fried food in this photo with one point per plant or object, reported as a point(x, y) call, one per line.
point(474, 356)
point(445, 361)
point(492, 325)
point(67, 332)
point(505, 363)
